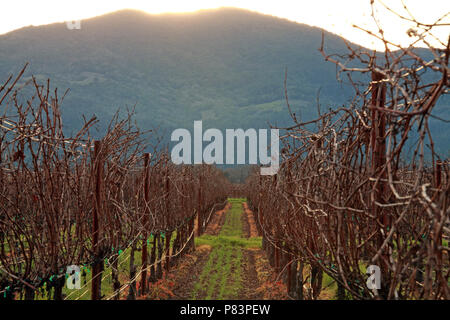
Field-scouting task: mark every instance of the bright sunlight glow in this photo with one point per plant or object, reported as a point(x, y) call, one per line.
point(335, 16)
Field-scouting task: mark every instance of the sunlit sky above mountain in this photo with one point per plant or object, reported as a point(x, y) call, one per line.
point(335, 16)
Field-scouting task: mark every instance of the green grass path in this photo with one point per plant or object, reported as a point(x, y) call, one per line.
point(221, 277)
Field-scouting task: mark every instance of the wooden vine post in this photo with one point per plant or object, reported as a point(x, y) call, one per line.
point(438, 230)
point(199, 207)
point(145, 224)
point(96, 212)
point(169, 222)
point(378, 149)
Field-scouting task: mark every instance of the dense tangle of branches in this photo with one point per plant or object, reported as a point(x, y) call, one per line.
point(75, 201)
point(348, 193)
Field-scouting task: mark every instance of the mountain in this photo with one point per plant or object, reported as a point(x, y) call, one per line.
point(225, 66)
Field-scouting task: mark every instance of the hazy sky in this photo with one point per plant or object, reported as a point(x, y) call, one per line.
point(336, 16)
